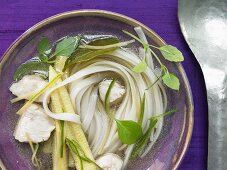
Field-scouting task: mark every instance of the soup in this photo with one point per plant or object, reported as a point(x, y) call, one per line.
point(98, 103)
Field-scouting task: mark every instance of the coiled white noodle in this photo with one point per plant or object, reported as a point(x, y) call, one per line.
point(105, 138)
point(100, 129)
point(90, 109)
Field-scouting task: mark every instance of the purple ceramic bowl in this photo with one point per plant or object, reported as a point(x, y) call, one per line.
point(172, 144)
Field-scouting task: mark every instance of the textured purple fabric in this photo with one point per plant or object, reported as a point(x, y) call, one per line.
point(16, 16)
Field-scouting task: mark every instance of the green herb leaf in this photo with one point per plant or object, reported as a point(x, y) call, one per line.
point(82, 55)
point(67, 46)
point(128, 131)
point(104, 41)
point(44, 47)
point(171, 81)
point(106, 100)
point(142, 110)
point(171, 53)
point(31, 68)
point(142, 142)
point(141, 67)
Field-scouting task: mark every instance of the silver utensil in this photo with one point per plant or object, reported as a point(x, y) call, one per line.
point(204, 26)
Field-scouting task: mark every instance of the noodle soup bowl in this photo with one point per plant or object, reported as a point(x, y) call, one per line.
point(166, 153)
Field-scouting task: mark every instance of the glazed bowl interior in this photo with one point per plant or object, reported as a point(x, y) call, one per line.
point(176, 132)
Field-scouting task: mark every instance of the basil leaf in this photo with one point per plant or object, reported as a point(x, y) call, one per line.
point(104, 41)
point(83, 54)
point(67, 46)
point(128, 131)
point(141, 67)
point(31, 68)
point(44, 47)
point(142, 142)
point(171, 81)
point(171, 53)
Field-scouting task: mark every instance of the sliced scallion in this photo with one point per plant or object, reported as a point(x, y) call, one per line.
point(142, 110)
point(106, 100)
point(75, 148)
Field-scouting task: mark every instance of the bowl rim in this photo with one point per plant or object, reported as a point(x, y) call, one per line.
point(128, 20)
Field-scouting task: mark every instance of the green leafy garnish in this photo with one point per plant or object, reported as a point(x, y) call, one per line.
point(142, 142)
point(128, 131)
point(76, 149)
point(171, 81)
point(46, 55)
point(40, 68)
point(106, 100)
point(141, 67)
point(140, 121)
point(171, 53)
point(40, 64)
point(82, 55)
point(67, 46)
point(44, 47)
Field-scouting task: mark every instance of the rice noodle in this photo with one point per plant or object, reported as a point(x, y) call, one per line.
point(129, 108)
point(102, 131)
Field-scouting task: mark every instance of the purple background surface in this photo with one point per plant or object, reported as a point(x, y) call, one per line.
point(16, 16)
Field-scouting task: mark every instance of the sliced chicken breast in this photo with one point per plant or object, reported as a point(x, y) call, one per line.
point(27, 85)
point(35, 123)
